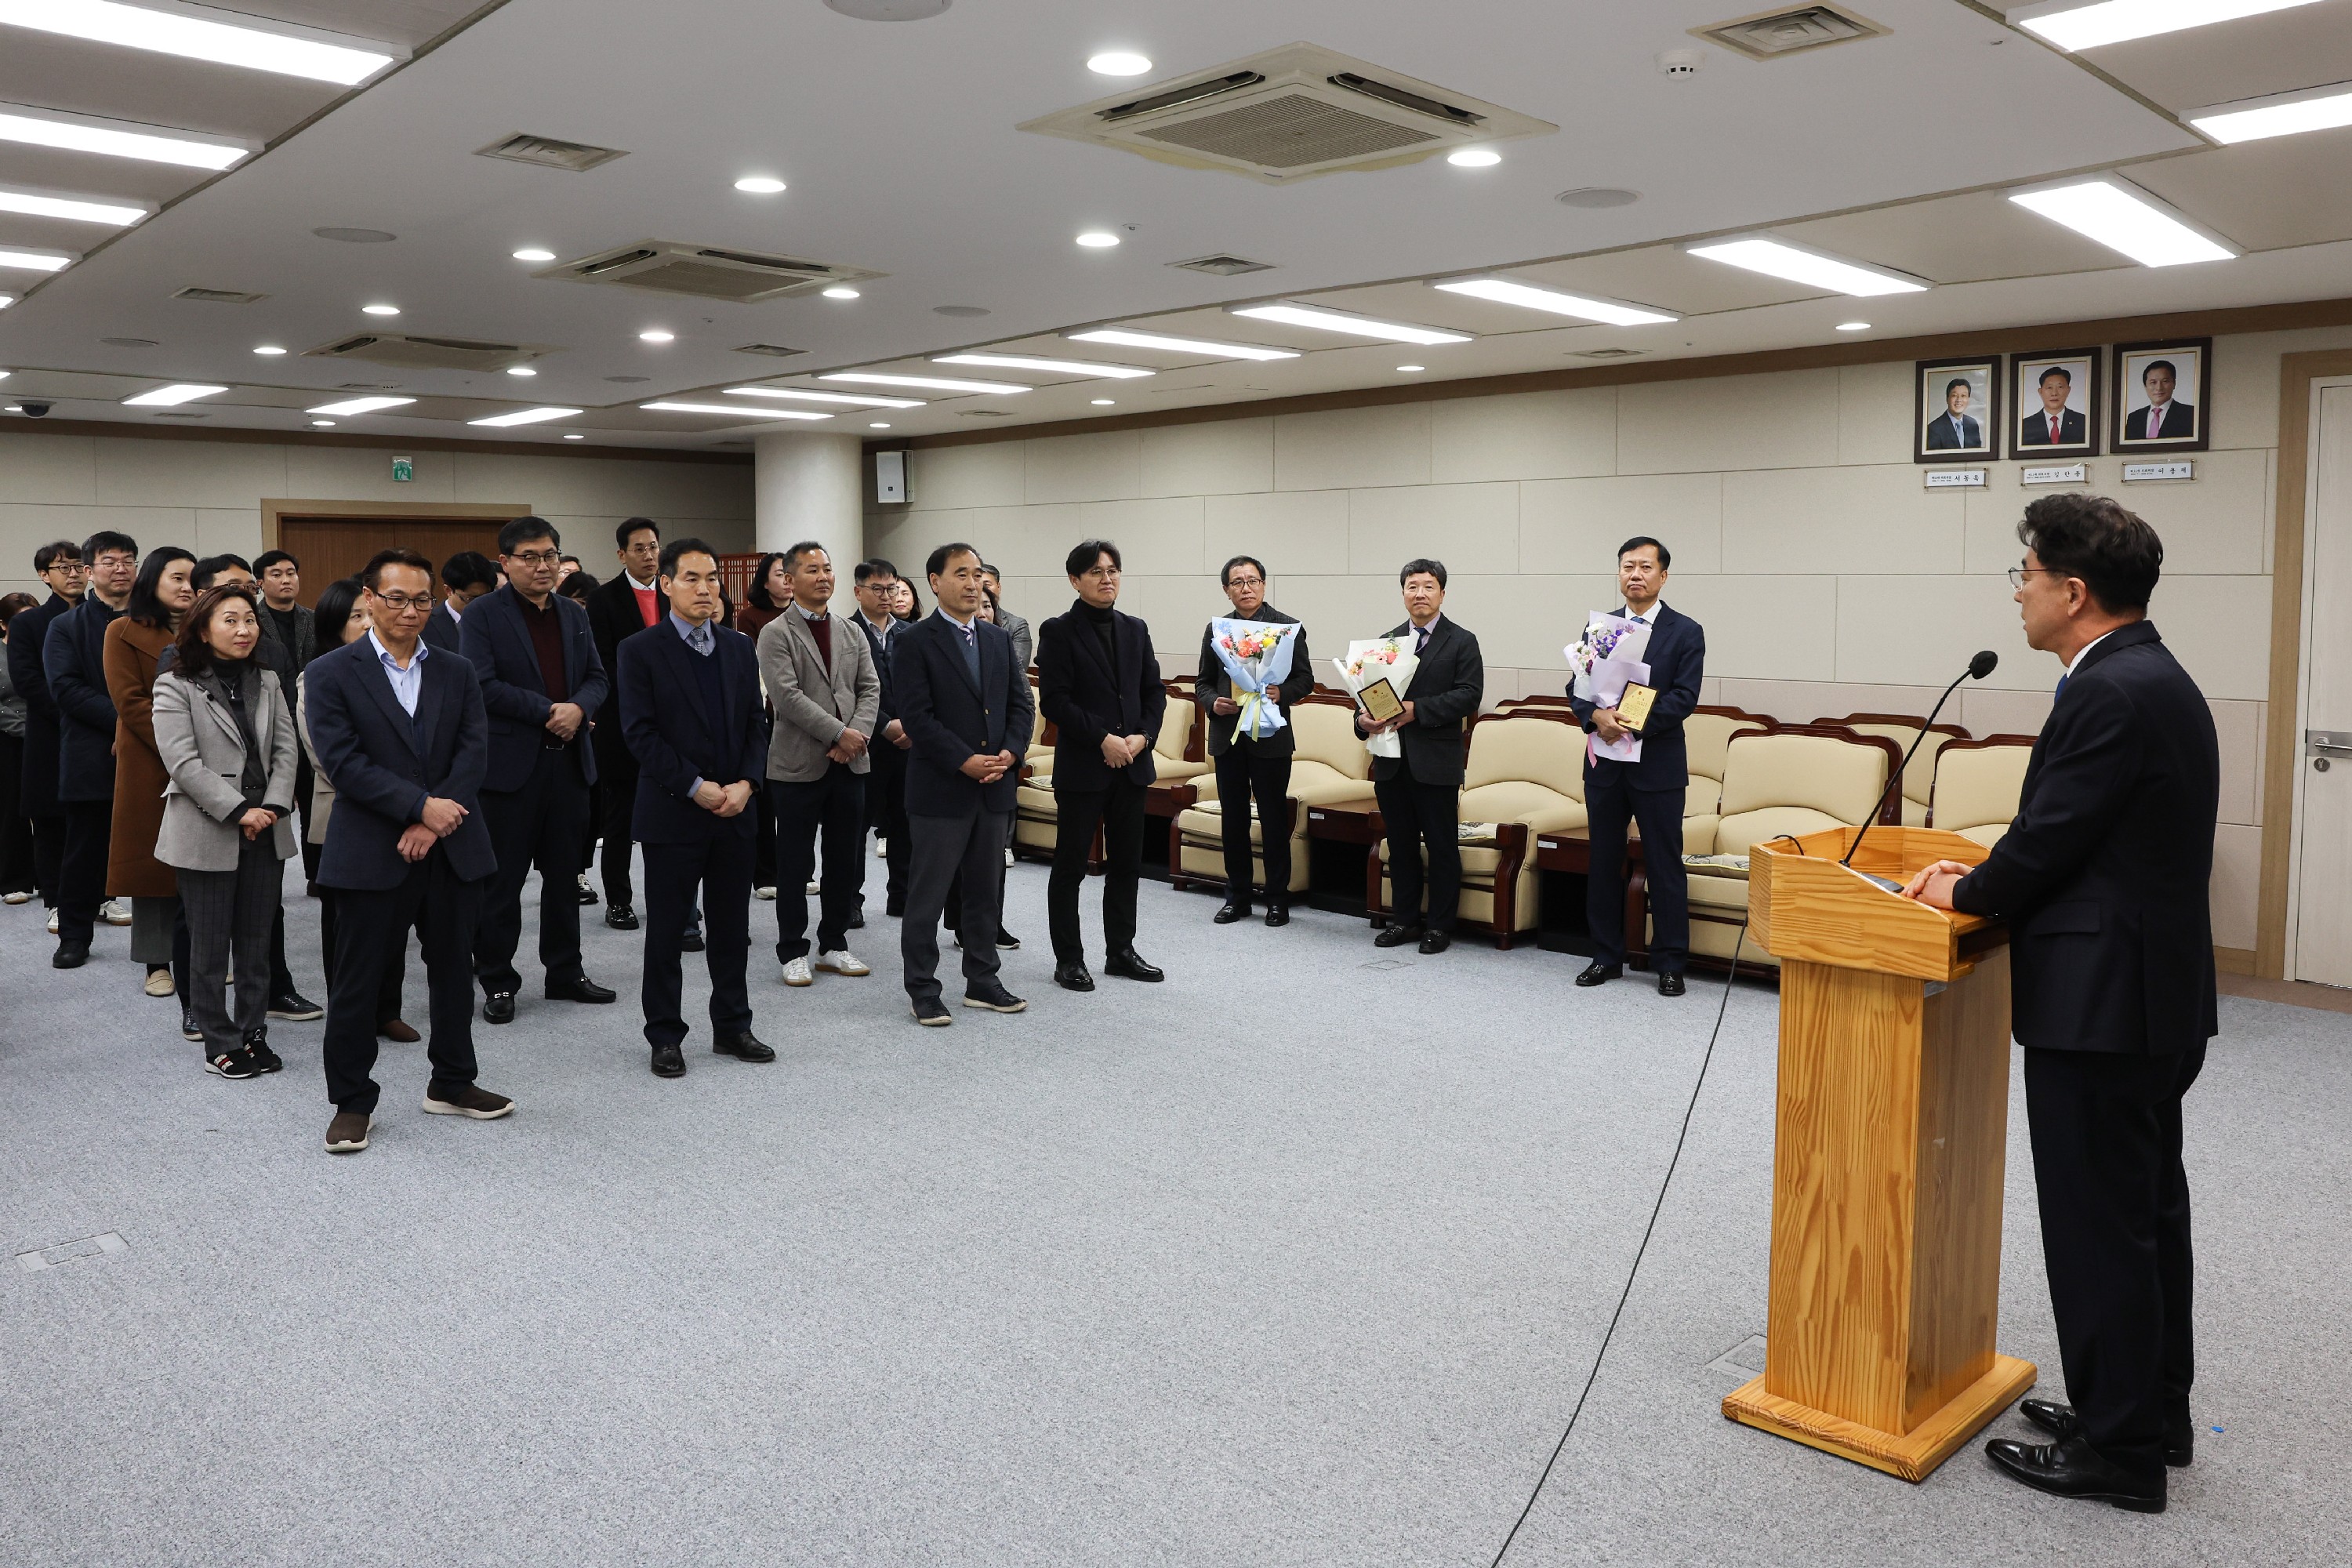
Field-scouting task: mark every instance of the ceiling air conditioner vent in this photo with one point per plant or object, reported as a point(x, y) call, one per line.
point(1222, 266)
point(775, 350)
point(547, 152)
point(1288, 114)
point(1607, 353)
point(412, 350)
point(220, 296)
point(707, 272)
point(1769, 35)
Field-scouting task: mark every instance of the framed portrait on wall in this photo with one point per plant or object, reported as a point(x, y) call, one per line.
point(1956, 412)
point(2164, 395)
point(2056, 397)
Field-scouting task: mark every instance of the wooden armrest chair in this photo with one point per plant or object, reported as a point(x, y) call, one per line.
point(1919, 778)
point(1979, 784)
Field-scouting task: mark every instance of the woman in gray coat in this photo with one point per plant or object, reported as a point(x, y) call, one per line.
point(227, 739)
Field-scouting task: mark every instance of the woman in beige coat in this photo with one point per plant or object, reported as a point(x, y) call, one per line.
point(227, 739)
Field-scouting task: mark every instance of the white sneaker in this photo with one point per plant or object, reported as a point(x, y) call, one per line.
point(53, 923)
point(815, 888)
point(116, 912)
point(842, 961)
point(881, 848)
point(1008, 855)
point(17, 898)
point(765, 895)
point(796, 973)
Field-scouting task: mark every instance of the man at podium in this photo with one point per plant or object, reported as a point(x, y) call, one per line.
point(2102, 880)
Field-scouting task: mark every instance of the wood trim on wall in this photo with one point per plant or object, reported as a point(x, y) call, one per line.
point(241, 437)
point(2237, 961)
point(383, 510)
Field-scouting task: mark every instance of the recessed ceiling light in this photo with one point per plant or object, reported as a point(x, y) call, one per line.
point(735, 411)
point(33, 204)
point(173, 396)
point(272, 349)
point(1355, 326)
point(380, 310)
point(1119, 62)
point(1412, 369)
point(187, 36)
point(656, 335)
point(573, 436)
point(841, 291)
point(927, 382)
point(2118, 21)
point(1097, 239)
point(526, 416)
point(2124, 220)
point(533, 252)
point(322, 423)
point(2281, 114)
point(799, 394)
point(1104, 402)
point(1473, 157)
point(1053, 367)
point(35, 261)
point(6, 301)
point(520, 370)
point(1584, 307)
point(350, 405)
point(1778, 258)
point(878, 424)
point(760, 184)
point(1122, 338)
point(1854, 326)
point(116, 138)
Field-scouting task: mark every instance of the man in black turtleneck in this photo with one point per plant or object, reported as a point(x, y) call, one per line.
point(1098, 684)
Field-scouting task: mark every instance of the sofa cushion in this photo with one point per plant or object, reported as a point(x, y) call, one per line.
point(1978, 786)
point(1175, 729)
point(1839, 780)
point(1529, 749)
point(1542, 808)
point(1739, 834)
point(1325, 733)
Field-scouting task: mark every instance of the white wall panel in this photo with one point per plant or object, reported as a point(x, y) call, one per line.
point(1526, 435)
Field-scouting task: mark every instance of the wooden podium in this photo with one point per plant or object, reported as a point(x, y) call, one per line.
point(1886, 1173)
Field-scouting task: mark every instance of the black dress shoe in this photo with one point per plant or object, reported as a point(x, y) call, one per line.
point(188, 1030)
point(668, 1062)
point(2073, 1469)
point(295, 1007)
point(857, 921)
point(580, 988)
point(70, 954)
point(1278, 914)
point(498, 1007)
point(2060, 1422)
point(1598, 974)
point(1073, 977)
point(691, 942)
point(1397, 936)
point(1228, 912)
point(1670, 984)
point(992, 996)
point(744, 1047)
point(620, 917)
point(1129, 964)
point(1436, 940)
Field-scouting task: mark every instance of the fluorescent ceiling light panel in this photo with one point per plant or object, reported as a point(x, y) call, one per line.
point(1050, 366)
point(1122, 338)
point(1778, 258)
point(35, 261)
point(2119, 21)
point(1505, 292)
point(359, 405)
point(796, 395)
point(2122, 220)
point(526, 416)
point(188, 31)
point(173, 396)
point(927, 382)
point(33, 204)
point(81, 133)
point(2282, 114)
point(733, 411)
point(1340, 321)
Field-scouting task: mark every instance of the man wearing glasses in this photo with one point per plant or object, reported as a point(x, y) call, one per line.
point(402, 731)
point(541, 683)
point(1248, 766)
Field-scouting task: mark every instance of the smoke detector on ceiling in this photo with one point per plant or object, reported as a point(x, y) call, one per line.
point(707, 272)
point(1769, 35)
point(548, 153)
point(1680, 62)
point(1222, 266)
point(416, 351)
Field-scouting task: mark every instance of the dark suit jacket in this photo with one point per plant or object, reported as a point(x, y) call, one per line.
point(951, 718)
point(1446, 692)
point(614, 618)
point(73, 656)
point(496, 641)
point(2033, 430)
point(1940, 433)
point(1678, 661)
point(442, 628)
point(305, 645)
point(2104, 874)
point(2179, 421)
point(669, 733)
point(883, 648)
point(368, 749)
point(1212, 682)
point(1081, 700)
point(29, 673)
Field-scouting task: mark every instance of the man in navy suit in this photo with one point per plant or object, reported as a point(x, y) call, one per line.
point(2163, 419)
point(1954, 430)
point(468, 576)
point(2053, 424)
point(690, 690)
point(400, 731)
point(968, 709)
point(541, 683)
point(59, 565)
point(73, 661)
point(1649, 791)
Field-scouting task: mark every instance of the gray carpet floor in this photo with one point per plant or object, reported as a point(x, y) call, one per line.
point(1298, 1258)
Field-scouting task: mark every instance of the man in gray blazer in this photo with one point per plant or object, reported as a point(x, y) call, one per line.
point(1025, 642)
point(827, 695)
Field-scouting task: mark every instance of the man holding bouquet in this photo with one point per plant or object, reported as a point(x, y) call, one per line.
point(1420, 792)
point(1252, 763)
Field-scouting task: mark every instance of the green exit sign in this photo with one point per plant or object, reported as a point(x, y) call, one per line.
point(404, 469)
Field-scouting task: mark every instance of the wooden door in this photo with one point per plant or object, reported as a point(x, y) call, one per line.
point(331, 547)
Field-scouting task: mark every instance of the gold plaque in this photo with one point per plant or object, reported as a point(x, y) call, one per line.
point(1634, 708)
point(1380, 701)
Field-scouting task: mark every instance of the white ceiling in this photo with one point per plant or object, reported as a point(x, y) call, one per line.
point(897, 143)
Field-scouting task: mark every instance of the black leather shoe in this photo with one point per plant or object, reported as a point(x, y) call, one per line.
point(620, 917)
point(745, 1046)
point(1397, 936)
point(1073, 977)
point(1228, 912)
point(295, 1007)
point(1598, 974)
point(691, 942)
point(857, 921)
point(70, 955)
point(2073, 1469)
point(992, 996)
point(2060, 1422)
point(580, 988)
point(1436, 940)
point(1129, 964)
point(498, 1007)
point(188, 1030)
point(668, 1062)
point(1277, 915)
point(1670, 984)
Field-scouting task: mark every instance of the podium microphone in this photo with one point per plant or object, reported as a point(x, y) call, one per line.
point(1978, 667)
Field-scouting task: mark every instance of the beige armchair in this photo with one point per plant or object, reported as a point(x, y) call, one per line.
point(1919, 778)
point(1032, 807)
point(1707, 736)
point(1328, 766)
point(1524, 775)
point(1979, 784)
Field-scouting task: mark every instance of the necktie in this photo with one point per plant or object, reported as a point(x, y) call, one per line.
point(1641, 620)
point(2061, 686)
point(1422, 646)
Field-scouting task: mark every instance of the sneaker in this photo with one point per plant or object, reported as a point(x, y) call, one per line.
point(993, 997)
point(796, 971)
point(16, 898)
point(295, 1009)
point(1006, 942)
point(765, 895)
point(115, 912)
point(1008, 855)
point(477, 1104)
point(53, 923)
point(881, 848)
point(257, 1047)
point(841, 961)
point(815, 888)
point(348, 1132)
point(234, 1064)
point(159, 983)
point(931, 1013)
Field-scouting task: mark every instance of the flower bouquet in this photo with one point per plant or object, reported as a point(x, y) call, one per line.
point(1368, 665)
point(1605, 662)
point(1257, 656)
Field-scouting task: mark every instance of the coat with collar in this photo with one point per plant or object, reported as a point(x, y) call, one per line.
point(1084, 702)
point(950, 717)
point(1212, 682)
point(1447, 688)
point(382, 770)
point(132, 653)
point(203, 755)
point(1024, 640)
point(816, 699)
point(305, 645)
point(444, 629)
point(670, 732)
point(73, 656)
point(29, 675)
point(1678, 660)
point(2104, 876)
point(495, 640)
point(882, 644)
point(613, 618)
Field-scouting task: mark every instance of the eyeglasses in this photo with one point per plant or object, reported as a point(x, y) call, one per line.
point(1246, 583)
point(404, 603)
point(2017, 574)
point(536, 557)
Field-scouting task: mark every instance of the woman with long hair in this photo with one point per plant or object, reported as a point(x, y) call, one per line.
point(227, 741)
point(769, 595)
point(160, 596)
point(910, 604)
